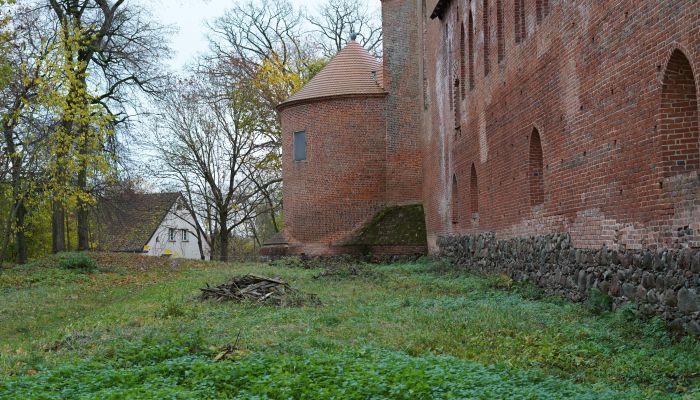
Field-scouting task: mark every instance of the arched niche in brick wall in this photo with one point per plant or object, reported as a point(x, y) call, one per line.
point(678, 124)
point(500, 39)
point(462, 62)
point(470, 49)
point(542, 9)
point(473, 191)
point(487, 37)
point(455, 201)
point(519, 23)
point(536, 169)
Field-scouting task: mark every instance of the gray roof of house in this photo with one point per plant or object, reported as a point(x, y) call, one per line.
point(126, 221)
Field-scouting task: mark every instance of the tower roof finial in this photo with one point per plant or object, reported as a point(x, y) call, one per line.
point(353, 36)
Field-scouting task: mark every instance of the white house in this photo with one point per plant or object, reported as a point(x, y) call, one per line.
point(154, 224)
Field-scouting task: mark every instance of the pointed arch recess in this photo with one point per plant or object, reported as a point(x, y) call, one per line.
point(487, 38)
point(473, 191)
point(455, 201)
point(678, 123)
point(500, 39)
point(536, 169)
point(462, 61)
point(470, 49)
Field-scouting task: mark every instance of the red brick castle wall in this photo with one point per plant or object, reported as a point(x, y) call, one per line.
point(563, 116)
point(404, 133)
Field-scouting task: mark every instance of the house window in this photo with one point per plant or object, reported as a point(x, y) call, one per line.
point(171, 234)
point(299, 146)
point(184, 235)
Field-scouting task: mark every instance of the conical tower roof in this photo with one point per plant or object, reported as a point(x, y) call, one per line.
point(353, 71)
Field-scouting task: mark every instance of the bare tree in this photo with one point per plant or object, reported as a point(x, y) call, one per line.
point(337, 19)
point(253, 35)
point(261, 50)
point(213, 144)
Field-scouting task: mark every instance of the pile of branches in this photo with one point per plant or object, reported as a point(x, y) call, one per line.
point(259, 289)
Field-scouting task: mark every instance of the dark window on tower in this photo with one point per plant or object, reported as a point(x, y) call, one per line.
point(499, 31)
point(299, 146)
point(487, 38)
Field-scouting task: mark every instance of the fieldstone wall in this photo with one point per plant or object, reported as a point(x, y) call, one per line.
point(663, 282)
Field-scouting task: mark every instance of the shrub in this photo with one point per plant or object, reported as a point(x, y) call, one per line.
point(171, 309)
point(598, 302)
point(502, 281)
point(529, 290)
point(77, 261)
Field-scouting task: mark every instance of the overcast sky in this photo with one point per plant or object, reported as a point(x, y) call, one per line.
point(190, 17)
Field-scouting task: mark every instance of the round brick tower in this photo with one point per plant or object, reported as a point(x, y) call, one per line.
point(334, 154)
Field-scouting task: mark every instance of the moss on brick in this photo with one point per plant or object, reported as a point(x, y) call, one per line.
point(403, 225)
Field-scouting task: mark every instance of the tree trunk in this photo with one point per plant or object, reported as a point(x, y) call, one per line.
point(201, 247)
point(69, 246)
point(6, 237)
point(223, 244)
point(58, 227)
point(20, 236)
point(83, 213)
point(83, 216)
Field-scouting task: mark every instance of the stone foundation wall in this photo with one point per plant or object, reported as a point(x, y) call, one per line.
point(660, 282)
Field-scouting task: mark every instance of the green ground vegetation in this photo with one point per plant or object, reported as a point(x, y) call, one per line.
point(133, 328)
point(402, 225)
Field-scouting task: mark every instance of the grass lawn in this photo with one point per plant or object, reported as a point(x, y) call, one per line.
point(417, 330)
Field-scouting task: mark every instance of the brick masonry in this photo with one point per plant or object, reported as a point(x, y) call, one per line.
point(572, 160)
point(517, 119)
point(404, 145)
point(341, 184)
point(585, 121)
